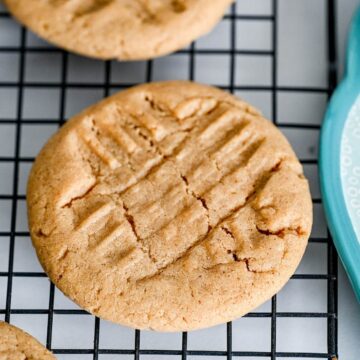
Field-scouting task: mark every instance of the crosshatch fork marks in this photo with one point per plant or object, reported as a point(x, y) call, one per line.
point(102, 211)
point(97, 148)
point(115, 232)
point(120, 136)
point(231, 132)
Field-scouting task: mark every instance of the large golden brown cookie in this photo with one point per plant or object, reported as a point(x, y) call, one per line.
point(170, 206)
point(120, 29)
point(16, 344)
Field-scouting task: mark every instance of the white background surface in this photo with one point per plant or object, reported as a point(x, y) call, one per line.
point(301, 62)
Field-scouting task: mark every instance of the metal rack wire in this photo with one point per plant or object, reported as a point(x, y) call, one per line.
point(107, 85)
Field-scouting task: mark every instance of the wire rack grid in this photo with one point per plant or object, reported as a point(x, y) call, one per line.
point(41, 86)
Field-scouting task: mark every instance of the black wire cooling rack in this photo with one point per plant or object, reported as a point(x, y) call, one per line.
point(233, 19)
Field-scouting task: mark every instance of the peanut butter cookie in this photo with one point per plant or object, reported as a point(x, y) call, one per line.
point(119, 29)
point(16, 344)
point(170, 206)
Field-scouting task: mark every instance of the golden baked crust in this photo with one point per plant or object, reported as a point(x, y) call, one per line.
point(170, 206)
point(16, 344)
point(119, 29)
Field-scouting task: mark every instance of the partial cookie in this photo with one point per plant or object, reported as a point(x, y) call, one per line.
point(170, 206)
point(119, 29)
point(16, 344)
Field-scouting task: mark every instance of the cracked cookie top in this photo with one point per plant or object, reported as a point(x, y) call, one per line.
point(170, 206)
point(16, 344)
point(119, 29)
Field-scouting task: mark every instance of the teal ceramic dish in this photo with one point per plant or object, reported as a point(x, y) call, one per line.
point(339, 161)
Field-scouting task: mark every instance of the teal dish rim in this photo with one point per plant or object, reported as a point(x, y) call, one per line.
point(339, 222)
